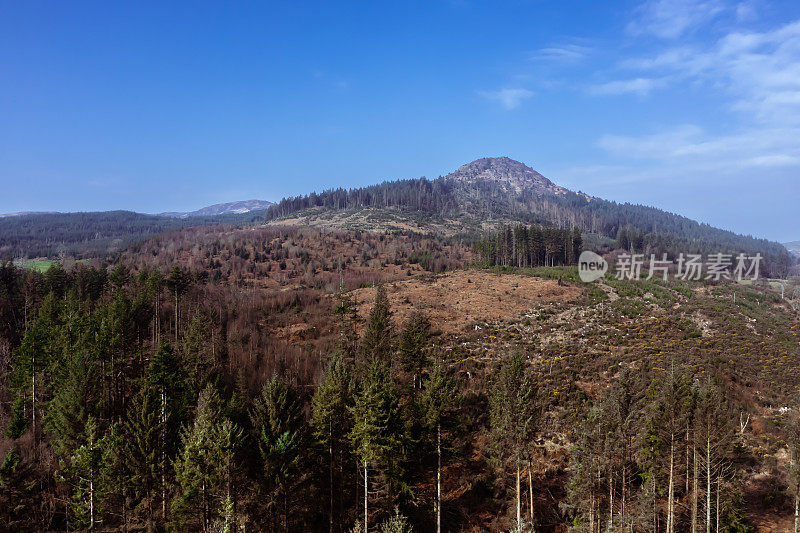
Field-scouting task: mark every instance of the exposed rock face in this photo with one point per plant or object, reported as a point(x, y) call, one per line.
point(507, 172)
point(244, 206)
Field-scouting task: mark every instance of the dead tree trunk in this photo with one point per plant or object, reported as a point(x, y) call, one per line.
point(671, 490)
point(717, 509)
point(530, 487)
point(519, 500)
point(366, 493)
point(610, 499)
point(694, 492)
point(708, 485)
point(330, 473)
point(33, 397)
point(439, 478)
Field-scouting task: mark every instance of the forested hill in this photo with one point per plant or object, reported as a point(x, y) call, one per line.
point(501, 190)
point(93, 234)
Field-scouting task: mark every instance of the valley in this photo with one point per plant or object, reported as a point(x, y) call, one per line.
point(366, 334)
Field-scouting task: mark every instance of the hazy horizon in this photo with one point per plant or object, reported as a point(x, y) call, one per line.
point(687, 106)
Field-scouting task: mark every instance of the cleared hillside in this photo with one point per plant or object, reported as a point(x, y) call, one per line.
point(490, 192)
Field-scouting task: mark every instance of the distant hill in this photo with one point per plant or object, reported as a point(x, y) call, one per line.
point(240, 207)
point(480, 196)
point(793, 247)
point(490, 192)
point(94, 234)
point(506, 173)
point(22, 213)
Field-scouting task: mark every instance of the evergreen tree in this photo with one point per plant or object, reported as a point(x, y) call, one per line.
point(621, 413)
point(377, 430)
point(165, 376)
point(82, 471)
point(178, 282)
point(346, 312)
point(577, 245)
point(18, 495)
point(713, 434)
point(438, 401)
point(666, 429)
point(513, 417)
point(203, 466)
point(378, 341)
point(793, 442)
point(330, 420)
point(38, 350)
point(279, 425)
point(413, 346)
point(141, 450)
point(69, 410)
point(587, 458)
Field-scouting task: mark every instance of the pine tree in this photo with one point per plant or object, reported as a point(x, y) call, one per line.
point(793, 442)
point(377, 429)
point(587, 459)
point(39, 348)
point(196, 351)
point(667, 426)
point(165, 375)
point(17, 494)
point(141, 450)
point(378, 341)
point(348, 320)
point(577, 245)
point(621, 413)
point(68, 410)
point(203, 466)
point(178, 282)
point(713, 434)
point(438, 401)
point(513, 417)
point(83, 472)
point(330, 420)
point(413, 346)
point(279, 424)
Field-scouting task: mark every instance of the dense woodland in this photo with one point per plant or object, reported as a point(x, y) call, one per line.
point(248, 377)
point(530, 246)
point(472, 203)
point(646, 229)
point(85, 235)
point(170, 391)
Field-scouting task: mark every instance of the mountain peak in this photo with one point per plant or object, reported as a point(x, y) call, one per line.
point(505, 171)
point(244, 206)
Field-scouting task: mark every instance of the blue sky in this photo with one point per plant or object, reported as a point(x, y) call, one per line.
point(689, 105)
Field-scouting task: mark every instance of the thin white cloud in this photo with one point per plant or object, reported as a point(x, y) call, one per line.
point(709, 48)
point(757, 72)
point(746, 11)
point(508, 98)
point(561, 53)
point(637, 86)
point(670, 19)
point(690, 146)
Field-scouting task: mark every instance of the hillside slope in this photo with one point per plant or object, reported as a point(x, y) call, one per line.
point(94, 234)
point(228, 208)
point(490, 192)
point(272, 301)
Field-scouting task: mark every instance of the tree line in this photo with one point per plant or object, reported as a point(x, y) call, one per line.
point(116, 417)
point(530, 246)
point(652, 230)
point(93, 234)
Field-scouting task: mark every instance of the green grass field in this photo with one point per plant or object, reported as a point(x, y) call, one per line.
point(39, 265)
